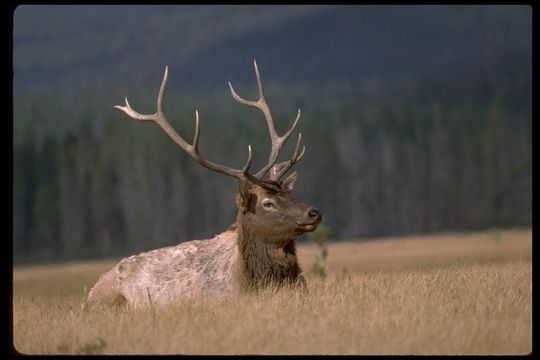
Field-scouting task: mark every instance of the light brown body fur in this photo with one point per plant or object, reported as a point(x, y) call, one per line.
point(204, 266)
point(213, 267)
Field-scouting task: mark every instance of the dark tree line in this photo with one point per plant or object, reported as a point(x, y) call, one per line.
point(104, 185)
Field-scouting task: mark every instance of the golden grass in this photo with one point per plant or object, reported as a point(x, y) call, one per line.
point(444, 294)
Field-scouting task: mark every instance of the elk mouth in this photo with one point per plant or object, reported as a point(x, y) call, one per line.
point(307, 227)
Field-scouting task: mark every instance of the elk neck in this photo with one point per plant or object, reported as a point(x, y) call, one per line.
point(263, 261)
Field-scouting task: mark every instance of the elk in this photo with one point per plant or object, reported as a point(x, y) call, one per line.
point(256, 251)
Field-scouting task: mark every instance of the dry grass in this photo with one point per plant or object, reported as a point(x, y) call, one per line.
point(445, 294)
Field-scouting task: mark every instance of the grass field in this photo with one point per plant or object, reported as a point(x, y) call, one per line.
point(434, 294)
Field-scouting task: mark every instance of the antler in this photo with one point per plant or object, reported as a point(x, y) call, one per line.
point(281, 169)
point(277, 141)
point(192, 149)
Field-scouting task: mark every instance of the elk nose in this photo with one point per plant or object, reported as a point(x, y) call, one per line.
point(314, 213)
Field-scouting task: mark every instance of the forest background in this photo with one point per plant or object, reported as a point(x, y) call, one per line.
point(416, 119)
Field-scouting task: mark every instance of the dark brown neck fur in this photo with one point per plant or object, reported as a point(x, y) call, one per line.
point(264, 263)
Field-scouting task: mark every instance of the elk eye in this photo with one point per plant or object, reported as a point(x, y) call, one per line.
point(268, 204)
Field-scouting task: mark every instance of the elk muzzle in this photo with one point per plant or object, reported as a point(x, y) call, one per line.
point(312, 219)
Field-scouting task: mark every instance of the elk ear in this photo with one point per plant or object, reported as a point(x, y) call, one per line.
point(245, 197)
point(288, 183)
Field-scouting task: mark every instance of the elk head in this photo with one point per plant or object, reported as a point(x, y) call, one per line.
point(266, 205)
point(270, 209)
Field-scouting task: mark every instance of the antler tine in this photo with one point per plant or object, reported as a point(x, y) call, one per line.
point(281, 169)
point(197, 132)
point(261, 104)
point(192, 149)
point(162, 92)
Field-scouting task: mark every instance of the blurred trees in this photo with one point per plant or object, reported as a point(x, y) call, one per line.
point(416, 119)
point(103, 185)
